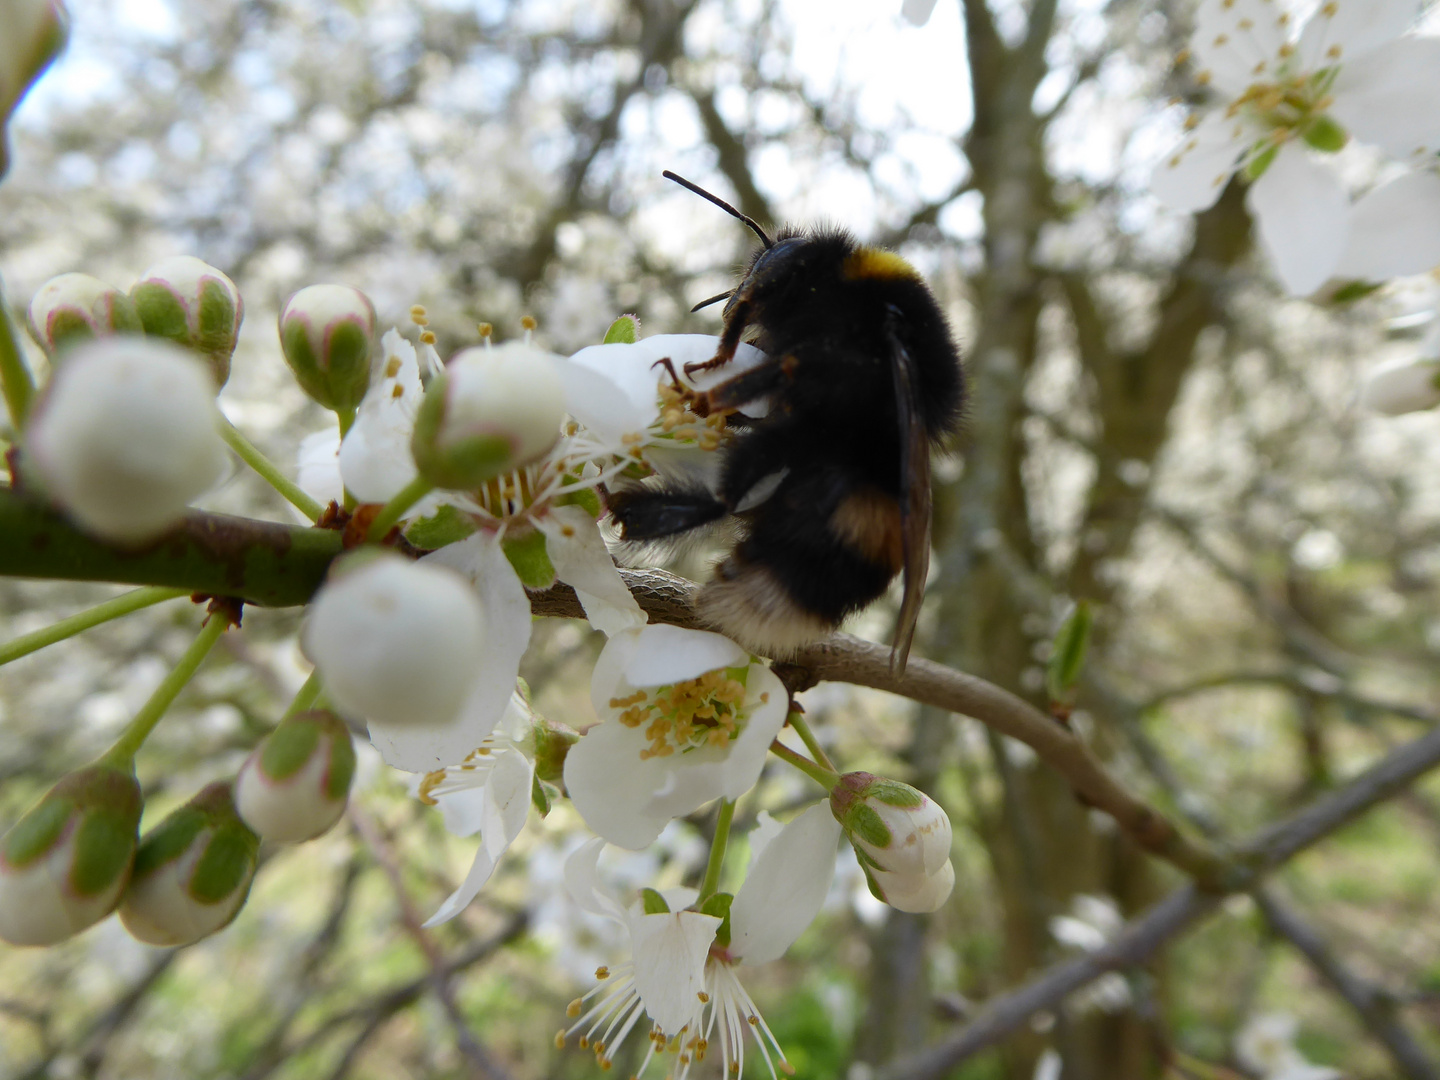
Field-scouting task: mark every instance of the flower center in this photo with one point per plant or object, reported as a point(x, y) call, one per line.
point(680, 423)
point(686, 716)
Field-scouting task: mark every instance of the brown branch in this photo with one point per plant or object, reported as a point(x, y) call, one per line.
point(1143, 937)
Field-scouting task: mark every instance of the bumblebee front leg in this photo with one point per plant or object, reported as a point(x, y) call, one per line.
point(735, 324)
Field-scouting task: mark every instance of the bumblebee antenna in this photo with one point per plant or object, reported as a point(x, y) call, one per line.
point(713, 300)
point(764, 239)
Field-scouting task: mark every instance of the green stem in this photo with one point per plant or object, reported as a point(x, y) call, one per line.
point(797, 721)
point(826, 778)
point(306, 696)
point(711, 885)
point(15, 378)
point(346, 417)
point(267, 470)
point(25, 644)
point(391, 513)
point(149, 715)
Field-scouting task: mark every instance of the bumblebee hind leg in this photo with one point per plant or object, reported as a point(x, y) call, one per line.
point(655, 513)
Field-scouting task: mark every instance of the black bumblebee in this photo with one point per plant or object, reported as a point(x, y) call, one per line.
point(831, 487)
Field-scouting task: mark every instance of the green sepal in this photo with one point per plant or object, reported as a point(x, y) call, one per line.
point(161, 312)
point(623, 331)
point(457, 464)
point(230, 846)
point(718, 905)
point(102, 804)
point(1325, 134)
point(864, 823)
point(226, 864)
point(653, 903)
point(585, 498)
point(446, 526)
point(893, 793)
point(542, 795)
point(69, 328)
point(867, 861)
point(338, 377)
point(1352, 291)
point(527, 554)
point(341, 772)
point(104, 847)
point(286, 749)
point(1067, 656)
point(37, 832)
point(553, 741)
point(1256, 166)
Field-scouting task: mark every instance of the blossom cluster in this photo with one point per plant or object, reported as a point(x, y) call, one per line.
point(463, 486)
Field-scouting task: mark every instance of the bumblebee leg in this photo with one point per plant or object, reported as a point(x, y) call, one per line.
point(735, 324)
point(744, 388)
point(650, 514)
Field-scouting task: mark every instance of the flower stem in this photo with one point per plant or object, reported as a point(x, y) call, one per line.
point(826, 778)
point(149, 715)
point(306, 696)
point(267, 470)
point(346, 419)
point(797, 721)
point(711, 885)
point(391, 513)
point(134, 600)
point(15, 378)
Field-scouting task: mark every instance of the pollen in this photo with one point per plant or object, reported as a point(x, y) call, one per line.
point(392, 367)
point(418, 315)
point(428, 337)
point(485, 330)
point(685, 716)
point(573, 1009)
point(398, 392)
point(527, 322)
point(602, 972)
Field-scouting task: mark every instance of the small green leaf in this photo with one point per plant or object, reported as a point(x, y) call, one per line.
point(528, 556)
point(446, 526)
point(623, 331)
point(653, 902)
point(1352, 291)
point(1068, 654)
point(540, 796)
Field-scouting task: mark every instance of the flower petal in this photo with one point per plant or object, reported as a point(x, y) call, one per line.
point(582, 882)
point(1237, 42)
point(1348, 29)
point(669, 654)
point(578, 553)
point(605, 407)
point(785, 887)
point(318, 466)
point(670, 952)
point(1387, 97)
point(611, 788)
point(1394, 230)
point(1191, 177)
point(1301, 213)
point(1402, 386)
point(375, 458)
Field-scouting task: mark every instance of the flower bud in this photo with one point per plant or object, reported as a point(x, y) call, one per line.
point(35, 32)
point(491, 410)
point(396, 641)
point(74, 308)
point(64, 864)
point(295, 784)
point(1403, 386)
point(326, 332)
point(895, 827)
point(192, 872)
point(125, 437)
point(194, 305)
point(917, 893)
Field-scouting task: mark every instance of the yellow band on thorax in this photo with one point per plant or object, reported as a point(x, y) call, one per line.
point(868, 262)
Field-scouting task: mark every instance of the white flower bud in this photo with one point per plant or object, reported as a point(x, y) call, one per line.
point(192, 872)
point(1402, 386)
point(125, 437)
point(64, 864)
point(295, 784)
point(918, 893)
point(35, 32)
point(327, 332)
point(895, 827)
point(192, 304)
point(490, 411)
point(397, 641)
point(74, 308)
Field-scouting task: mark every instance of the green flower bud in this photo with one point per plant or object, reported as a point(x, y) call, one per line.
point(64, 864)
point(327, 333)
point(192, 872)
point(75, 308)
point(490, 411)
point(192, 304)
point(553, 741)
point(35, 33)
point(295, 785)
point(901, 837)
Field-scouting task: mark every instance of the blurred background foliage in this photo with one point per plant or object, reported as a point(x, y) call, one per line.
point(1152, 427)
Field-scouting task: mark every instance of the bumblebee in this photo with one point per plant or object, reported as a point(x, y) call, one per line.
point(830, 487)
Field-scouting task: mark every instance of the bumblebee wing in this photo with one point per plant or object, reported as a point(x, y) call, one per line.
point(914, 493)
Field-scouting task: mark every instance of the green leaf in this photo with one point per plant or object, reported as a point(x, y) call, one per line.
point(623, 331)
point(445, 526)
point(1068, 655)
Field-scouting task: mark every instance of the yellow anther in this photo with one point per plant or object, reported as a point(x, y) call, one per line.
point(392, 366)
point(560, 1040)
point(398, 392)
point(573, 1009)
point(485, 330)
point(417, 314)
point(527, 322)
point(427, 337)
point(602, 972)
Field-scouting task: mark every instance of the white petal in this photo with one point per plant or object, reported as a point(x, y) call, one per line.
point(670, 952)
point(464, 811)
point(375, 458)
point(917, 12)
point(1355, 27)
point(916, 893)
point(785, 887)
point(602, 405)
point(611, 788)
point(459, 900)
point(766, 830)
point(1394, 230)
point(1301, 213)
point(582, 882)
point(667, 654)
point(1191, 177)
point(578, 553)
point(1237, 42)
point(318, 466)
point(1388, 97)
point(1402, 386)
point(607, 680)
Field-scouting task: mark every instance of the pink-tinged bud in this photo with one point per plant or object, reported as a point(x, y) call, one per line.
point(327, 333)
point(192, 872)
point(191, 303)
point(124, 437)
point(74, 308)
point(396, 641)
point(898, 828)
point(64, 864)
point(295, 785)
point(490, 411)
point(35, 32)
